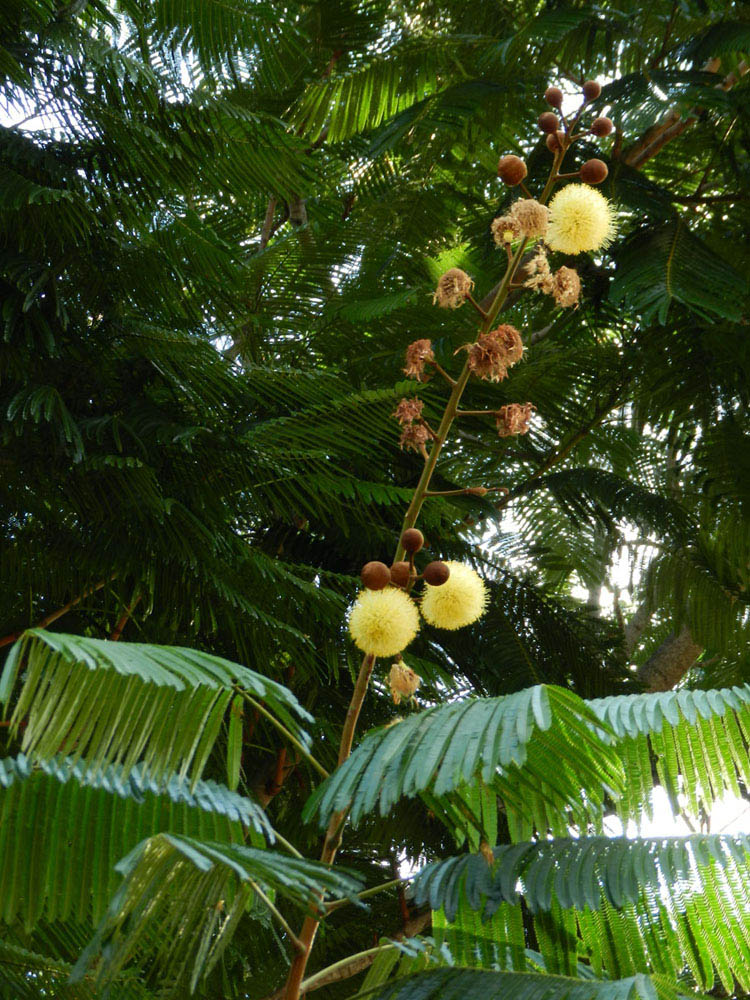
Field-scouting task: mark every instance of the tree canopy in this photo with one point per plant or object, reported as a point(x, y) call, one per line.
point(222, 225)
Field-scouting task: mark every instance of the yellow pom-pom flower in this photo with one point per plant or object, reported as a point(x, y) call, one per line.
point(459, 601)
point(580, 219)
point(383, 622)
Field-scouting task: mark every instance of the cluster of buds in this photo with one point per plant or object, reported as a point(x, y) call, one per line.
point(376, 575)
point(560, 135)
point(385, 617)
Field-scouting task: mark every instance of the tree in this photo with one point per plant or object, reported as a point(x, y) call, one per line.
point(221, 228)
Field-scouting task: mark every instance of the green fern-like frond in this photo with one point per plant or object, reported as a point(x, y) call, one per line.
point(670, 263)
point(483, 984)
point(89, 821)
point(165, 704)
point(536, 748)
point(182, 899)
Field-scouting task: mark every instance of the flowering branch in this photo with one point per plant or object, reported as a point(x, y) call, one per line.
point(385, 618)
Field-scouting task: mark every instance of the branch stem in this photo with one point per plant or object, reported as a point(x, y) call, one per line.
point(365, 894)
point(282, 729)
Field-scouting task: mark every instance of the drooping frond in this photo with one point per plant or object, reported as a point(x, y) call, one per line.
point(164, 704)
point(669, 263)
point(698, 740)
point(28, 975)
point(537, 748)
point(631, 905)
point(181, 899)
point(541, 748)
point(481, 984)
point(88, 821)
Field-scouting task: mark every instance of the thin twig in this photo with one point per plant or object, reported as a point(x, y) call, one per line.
point(123, 620)
point(282, 729)
point(262, 896)
point(54, 615)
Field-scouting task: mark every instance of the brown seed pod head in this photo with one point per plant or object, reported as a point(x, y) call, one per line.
point(553, 143)
point(511, 169)
point(602, 126)
point(375, 575)
point(554, 96)
point(412, 539)
point(594, 172)
point(436, 573)
point(549, 122)
point(400, 574)
point(591, 90)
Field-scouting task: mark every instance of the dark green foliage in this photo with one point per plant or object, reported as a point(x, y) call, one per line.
point(220, 226)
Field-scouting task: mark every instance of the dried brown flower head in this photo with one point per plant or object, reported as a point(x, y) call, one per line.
point(514, 419)
point(408, 410)
point(452, 289)
point(504, 230)
point(402, 681)
point(539, 273)
point(530, 217)
point(417, 354)
point(510, 338)
point(495, 352)
point(566, 286)
point(414, 437)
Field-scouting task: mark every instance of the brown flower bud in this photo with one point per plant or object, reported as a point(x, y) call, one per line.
point(602, 126)
point(400, 574)
point(477, 491)
point(549, 122)
point(511, 169)
point(594, 172)
point(375, 575)
point(554, 96)
point(436, 573)
point(412, 539)
point(591, 90)
point(553, 143)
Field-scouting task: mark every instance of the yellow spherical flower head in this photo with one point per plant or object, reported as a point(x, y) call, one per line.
point(383, 622)
point(459, 601)
point(580, 219)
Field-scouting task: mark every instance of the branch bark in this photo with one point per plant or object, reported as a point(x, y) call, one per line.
point(670, 662)
point(673, 124)
point(6, 640)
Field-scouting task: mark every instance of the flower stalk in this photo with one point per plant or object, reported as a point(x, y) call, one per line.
point(463, 596)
